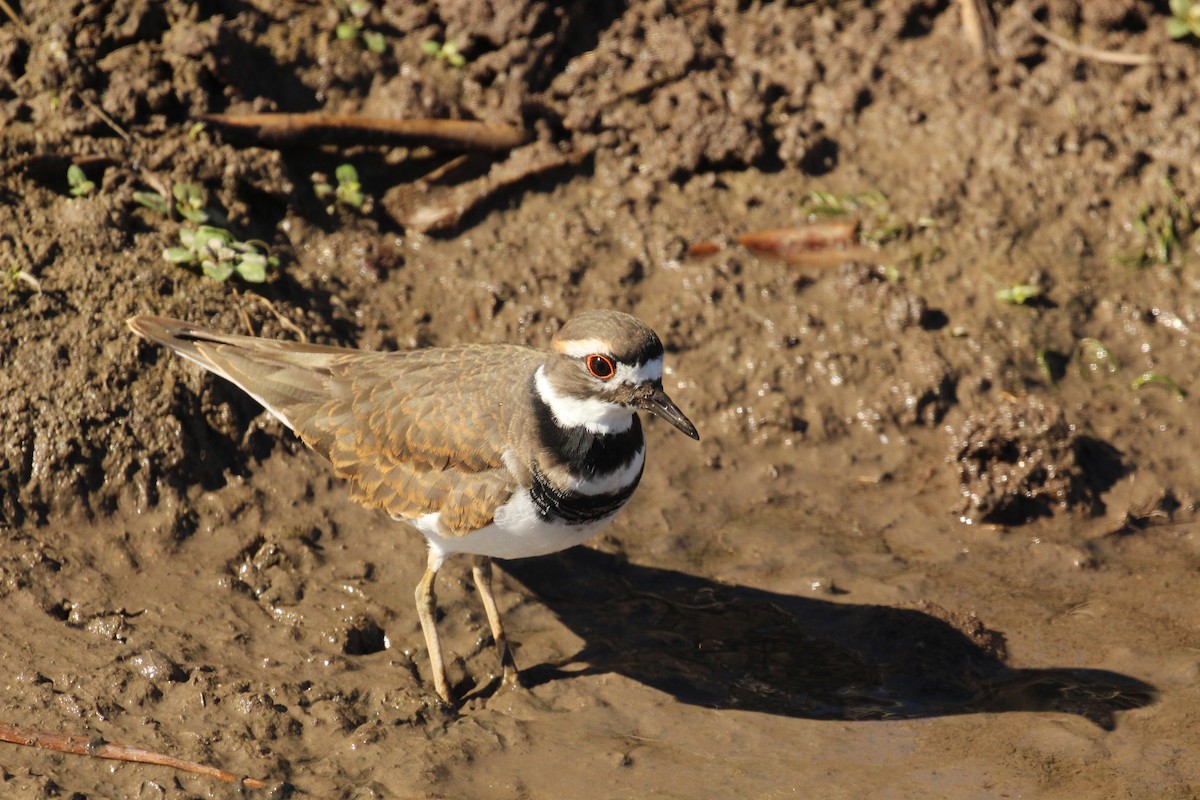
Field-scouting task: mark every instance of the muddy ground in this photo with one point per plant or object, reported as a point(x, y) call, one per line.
point(932, 543)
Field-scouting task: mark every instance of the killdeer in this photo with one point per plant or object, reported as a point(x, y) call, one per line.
point(491, 450)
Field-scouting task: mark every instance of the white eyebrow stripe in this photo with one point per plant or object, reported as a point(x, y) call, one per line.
point(581, 348)
point(652, 370)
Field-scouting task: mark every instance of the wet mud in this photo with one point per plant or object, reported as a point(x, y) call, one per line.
point(939, 535)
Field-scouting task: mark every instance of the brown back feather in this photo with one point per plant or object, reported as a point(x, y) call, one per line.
point(407, 430)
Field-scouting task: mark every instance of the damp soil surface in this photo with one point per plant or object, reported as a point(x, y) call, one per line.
point(938, 538)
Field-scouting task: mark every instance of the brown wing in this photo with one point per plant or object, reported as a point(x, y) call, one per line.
point(409, 430)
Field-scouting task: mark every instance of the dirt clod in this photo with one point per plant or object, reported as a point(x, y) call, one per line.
point(1021, 459)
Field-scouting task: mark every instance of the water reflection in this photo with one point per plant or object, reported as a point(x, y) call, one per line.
point(725, 646)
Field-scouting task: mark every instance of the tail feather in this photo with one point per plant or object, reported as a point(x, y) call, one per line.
point(279, 375)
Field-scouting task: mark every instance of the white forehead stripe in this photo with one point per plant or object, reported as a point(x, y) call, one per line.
point(592, 413)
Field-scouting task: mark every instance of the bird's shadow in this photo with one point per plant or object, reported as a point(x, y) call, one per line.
point(733, 647)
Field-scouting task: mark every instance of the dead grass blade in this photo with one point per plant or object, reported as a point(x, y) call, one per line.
point(978, 27)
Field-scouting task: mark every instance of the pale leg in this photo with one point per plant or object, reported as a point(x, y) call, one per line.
point(482, 571)
point(426, 609)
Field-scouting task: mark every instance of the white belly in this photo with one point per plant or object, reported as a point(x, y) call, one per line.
point(517, 532)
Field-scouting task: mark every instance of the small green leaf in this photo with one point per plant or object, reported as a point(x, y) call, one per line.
point(359, 8)
point(1020, 294)
point(188, 194)
point(374, 41)
point(179, 255)
point(1180, 8)
point(217, 271)
point(1094, 357)
point(348, 29)
point(213, 237)
point(430, 47)
point(151, 200)
point(346, 173)
point(1159, 378)
point(253, 268)
point(455, 59)
point(1178, 28)
point(80, 185)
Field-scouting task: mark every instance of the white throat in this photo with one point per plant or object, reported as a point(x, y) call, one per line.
point(592, 414)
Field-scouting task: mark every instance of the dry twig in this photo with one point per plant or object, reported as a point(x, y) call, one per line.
point(1082, 50)
point(97, 748)
point(439, 134)
point(815, 244)
point(451, 203)
point(284, 321)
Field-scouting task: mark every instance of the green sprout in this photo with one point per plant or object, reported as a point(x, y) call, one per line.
point(1163, 230)
point(190, 203)
point(1159, 378)
point(1019, 294)
point(14, 275)
point(219, 254)
point(78, 181)
point(1052, 364)
point(353, 25)
point(1185, 19)
point(880, 225)
point(1094, 358)
point(447, 52)
point(348, 191)
point(153, 201)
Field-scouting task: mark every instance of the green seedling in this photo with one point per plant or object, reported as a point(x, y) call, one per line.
point(153, 201)
point(78, 181)
point(189, 202)
point(1185, 19)
point(219, 254)
point(1020, 294)
point(1165, 231)
point(15, 275)
point(1162, 380)
point(1052, 364)
point(1095, 359)
point(879, 225)
point(353, 25)
point(348, 191)
point(447, 52)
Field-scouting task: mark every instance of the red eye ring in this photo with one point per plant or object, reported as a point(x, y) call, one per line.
point(601, 366)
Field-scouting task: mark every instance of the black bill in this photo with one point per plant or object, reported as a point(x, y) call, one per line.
point(658, 404)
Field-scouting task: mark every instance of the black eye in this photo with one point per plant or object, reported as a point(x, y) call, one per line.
point(601, 366)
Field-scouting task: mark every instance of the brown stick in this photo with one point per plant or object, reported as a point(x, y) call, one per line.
point(439, 134)
point(818, 243)
point(449, 206)
point(1083, 51)
point(83, 746)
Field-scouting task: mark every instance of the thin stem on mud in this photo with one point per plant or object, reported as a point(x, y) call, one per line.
point(97, 748)
point(439, 134)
